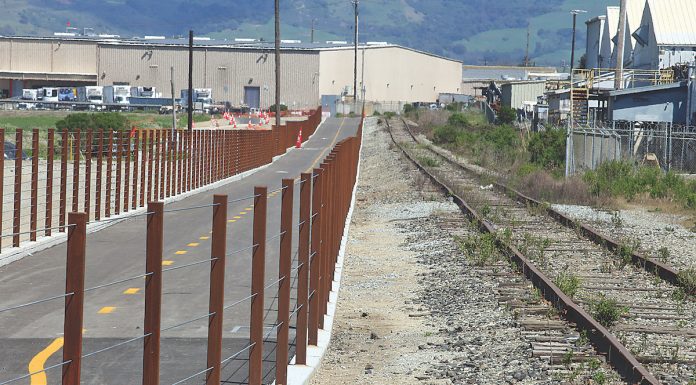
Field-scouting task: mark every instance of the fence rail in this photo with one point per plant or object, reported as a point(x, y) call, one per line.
point(325, 197)
point(106, 174)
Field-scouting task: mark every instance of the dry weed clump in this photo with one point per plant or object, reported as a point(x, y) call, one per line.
point(542, 186)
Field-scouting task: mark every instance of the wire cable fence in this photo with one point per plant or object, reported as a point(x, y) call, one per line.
point(275, 328)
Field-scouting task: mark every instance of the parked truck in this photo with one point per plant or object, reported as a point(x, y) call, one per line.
point(31, 94)
point(117, 98)
point(202, 100)
point(67, 94)
point(144, 92)
point(94, 95)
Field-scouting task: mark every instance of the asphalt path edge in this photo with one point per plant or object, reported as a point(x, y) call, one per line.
point(28, 248)
point(303, 374)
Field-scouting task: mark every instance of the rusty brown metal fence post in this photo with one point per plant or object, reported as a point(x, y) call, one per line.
point(150, 163)
point(157, 165)
point(16, 225)
point(258, 266)
point(34, 184)
point(126, 176)
point(98, 187)
point(63, 180)
point(119, 170)
point(303, 268)
point(74, 298)
point(2, 176)
point(217, 288)
point(136, 162)
point(285, 282)
point(49, 180)
point(88, 172)
point(315, 259)
point(109, 170)
point(76, 171)
point(153, 292)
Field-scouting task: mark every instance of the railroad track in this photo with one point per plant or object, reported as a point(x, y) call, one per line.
point(647, 328)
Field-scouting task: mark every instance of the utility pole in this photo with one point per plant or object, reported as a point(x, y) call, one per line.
point(618, 77)
point(277, 62)
point(355, 79)
point(171, 75)
point(190, 83)
point(312, 35)
point(575, 13)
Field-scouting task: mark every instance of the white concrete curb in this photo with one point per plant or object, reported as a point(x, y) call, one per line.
point(303, 374)
point(43, 243)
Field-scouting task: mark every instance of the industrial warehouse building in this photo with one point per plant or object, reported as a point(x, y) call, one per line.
point(241, 73)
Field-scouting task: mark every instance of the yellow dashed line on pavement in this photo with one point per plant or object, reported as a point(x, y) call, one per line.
point(181, 252)
point(167, 263)
point(237, 217)
point(193, 244)
point(106, 310)
point(204, 238)
point(232, 220)
point(132, 290)
point(243, 213)
point(248, 208)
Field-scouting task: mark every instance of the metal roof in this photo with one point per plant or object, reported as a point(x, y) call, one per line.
point(638, 90)
point(634, 15)
point(673, 21)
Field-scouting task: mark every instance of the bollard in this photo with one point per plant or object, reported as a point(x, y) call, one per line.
point(217, 288)
point(153, 293)
point(74, 303)
point(258, 266)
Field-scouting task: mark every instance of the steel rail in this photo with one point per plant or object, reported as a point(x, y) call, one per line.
point(617, 354)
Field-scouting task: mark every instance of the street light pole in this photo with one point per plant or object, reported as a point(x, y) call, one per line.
point(575, 13)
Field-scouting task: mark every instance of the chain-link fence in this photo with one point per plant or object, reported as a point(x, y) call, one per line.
point(665, 145)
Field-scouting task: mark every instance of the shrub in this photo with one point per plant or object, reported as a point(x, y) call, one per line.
point(408, 108)
point(107, 120)
point(458, 120)
point(446, 134)
point(283, 107)
point(427, 161)
point(506, 115)
point(548, 148)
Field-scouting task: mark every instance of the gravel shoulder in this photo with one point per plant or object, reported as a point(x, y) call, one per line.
point(652, 230)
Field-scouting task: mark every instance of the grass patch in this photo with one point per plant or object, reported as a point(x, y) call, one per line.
point(607, 311)
point(569, 283)
point(427, 161)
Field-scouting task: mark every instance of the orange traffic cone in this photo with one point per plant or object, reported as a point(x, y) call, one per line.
point(298, 144)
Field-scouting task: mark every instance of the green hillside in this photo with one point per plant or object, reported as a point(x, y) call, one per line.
point(475, 31)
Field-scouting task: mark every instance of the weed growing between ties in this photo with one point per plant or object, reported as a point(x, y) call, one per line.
point(569, 283)
point(427, 161)
point(687, 280)
point(480, 250)
point(607, 311)
point(626, 250)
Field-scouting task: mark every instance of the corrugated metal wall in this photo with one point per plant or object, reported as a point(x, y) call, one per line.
point(514, 94)
point(46, 56)
point(227, 72)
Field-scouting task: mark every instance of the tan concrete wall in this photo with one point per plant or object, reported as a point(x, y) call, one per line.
point(391, 73)
point(226, 72)
point(46, 56)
